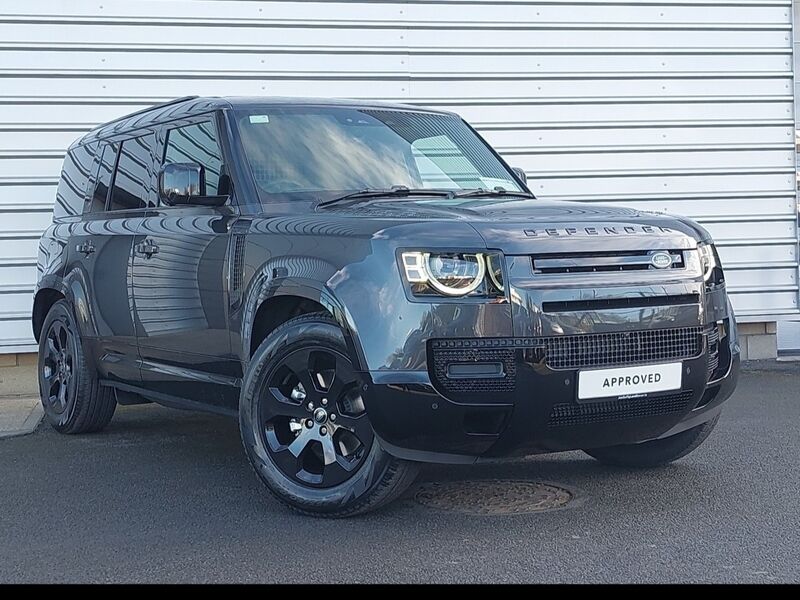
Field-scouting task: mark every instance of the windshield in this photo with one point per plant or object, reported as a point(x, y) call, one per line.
point(316, 153)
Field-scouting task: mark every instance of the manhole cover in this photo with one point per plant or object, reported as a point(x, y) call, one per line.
point(493, 496)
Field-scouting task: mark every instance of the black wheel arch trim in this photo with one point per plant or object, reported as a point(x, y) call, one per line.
point(263, 288)
point(75, 291)
point(47, 284)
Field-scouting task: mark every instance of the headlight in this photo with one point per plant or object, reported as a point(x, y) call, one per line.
point(708, 259)
point(494, 267)
point(454, 273)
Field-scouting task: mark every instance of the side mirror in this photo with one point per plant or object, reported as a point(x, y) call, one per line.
point(185, 183)
point(521, 174)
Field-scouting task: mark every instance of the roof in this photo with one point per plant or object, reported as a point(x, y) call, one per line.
point(237, 101)
point(191, 105)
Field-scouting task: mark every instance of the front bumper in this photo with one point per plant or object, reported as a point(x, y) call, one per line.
point(533, 408)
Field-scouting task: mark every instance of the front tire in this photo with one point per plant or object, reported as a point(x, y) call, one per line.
point(72, 398)
point(305, 429)
point(655, 453)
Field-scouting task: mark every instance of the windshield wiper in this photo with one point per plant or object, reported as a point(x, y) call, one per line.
point(396, 191)
point(496, 192)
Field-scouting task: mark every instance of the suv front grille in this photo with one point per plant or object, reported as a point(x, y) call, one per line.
point(568, 415)
point(568, 352)
point(621, 348)
point(598, 262)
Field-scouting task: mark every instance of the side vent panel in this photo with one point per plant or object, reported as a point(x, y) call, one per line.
point(237, 274)
point(236, 265)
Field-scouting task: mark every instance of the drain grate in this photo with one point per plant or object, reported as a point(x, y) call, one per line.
point(493, 496)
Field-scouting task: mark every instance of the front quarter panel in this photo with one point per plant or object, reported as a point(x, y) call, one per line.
point(350, 266)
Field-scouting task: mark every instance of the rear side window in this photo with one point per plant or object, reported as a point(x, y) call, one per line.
point(196, 144)
point(97, 202)
point(71, 192)
point(134, 179)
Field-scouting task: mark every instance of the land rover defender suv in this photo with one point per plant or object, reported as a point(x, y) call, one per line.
point(368, 287)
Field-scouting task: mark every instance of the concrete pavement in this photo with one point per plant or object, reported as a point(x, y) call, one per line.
point(19, 416)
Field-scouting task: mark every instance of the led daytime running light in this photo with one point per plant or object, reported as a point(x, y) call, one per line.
point(417, 269)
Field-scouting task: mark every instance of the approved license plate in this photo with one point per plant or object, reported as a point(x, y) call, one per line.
point(627, 381)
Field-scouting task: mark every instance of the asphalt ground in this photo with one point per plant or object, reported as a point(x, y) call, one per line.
point(167, 496)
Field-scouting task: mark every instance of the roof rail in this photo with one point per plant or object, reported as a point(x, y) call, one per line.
point(148, 109)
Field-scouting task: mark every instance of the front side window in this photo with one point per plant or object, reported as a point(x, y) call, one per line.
point(196, 144)
point(319, 152)
point(134, 179)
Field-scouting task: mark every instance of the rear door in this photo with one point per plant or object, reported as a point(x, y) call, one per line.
point(180, 281)
point(102, 248)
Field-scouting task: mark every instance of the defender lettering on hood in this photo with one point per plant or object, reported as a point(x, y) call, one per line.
point(596, 231)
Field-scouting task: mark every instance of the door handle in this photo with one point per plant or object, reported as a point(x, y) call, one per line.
point(147, 248)
point(86, 248)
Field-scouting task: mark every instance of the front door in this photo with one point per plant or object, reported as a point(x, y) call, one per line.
point(180, 284)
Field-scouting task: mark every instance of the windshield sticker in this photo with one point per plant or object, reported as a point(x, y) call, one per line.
point(259, 118)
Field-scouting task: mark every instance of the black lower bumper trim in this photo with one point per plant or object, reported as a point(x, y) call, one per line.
point(541, 413)
point(571, 414)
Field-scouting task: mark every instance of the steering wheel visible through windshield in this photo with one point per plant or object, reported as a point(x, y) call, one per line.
point(315, 153)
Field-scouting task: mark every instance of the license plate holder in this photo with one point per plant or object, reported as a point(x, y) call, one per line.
point(602, 384)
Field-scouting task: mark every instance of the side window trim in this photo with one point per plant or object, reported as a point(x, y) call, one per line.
point(113, 175)
point(92, 177)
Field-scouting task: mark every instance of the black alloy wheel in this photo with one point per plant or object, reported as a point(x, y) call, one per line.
point(73, 399)
point(314, 420)
point(57, 367)
point(305, 425)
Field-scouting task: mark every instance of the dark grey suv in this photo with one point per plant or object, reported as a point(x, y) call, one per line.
point(368, 287)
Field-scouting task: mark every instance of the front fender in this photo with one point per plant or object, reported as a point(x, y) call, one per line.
point(273, 281)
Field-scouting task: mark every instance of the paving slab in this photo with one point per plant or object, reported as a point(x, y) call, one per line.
point(19, 416)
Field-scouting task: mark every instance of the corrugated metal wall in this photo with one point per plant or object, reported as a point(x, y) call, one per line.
point(677, 105)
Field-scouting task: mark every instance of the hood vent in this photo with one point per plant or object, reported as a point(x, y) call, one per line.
point(599, 262)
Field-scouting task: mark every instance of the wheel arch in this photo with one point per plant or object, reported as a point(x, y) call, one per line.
point(43, 301)
point(72, 287)
point(274, 302)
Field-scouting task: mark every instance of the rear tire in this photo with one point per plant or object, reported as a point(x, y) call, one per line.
point(655, 453)
point(322, 460)
point(72, 398)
